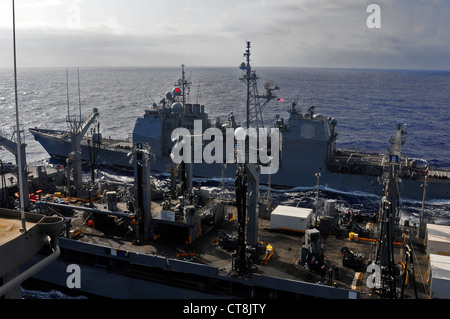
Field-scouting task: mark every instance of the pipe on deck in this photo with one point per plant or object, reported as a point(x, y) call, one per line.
point(87, 209)
point(16, 281)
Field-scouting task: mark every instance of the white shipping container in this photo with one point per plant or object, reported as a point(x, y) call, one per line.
point(290, 218)
point(439, 276)
point(438, 239)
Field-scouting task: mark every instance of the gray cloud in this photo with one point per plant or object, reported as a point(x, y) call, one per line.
point(413, 34)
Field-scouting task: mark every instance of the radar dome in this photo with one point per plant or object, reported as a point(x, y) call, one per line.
point(169, 95)
point(177, 108)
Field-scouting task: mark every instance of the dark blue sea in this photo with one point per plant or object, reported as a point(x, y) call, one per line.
point(366, 103)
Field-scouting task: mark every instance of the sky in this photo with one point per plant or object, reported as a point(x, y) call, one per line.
point(412, 34)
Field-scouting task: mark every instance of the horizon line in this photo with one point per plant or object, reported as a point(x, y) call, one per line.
point(231, 67)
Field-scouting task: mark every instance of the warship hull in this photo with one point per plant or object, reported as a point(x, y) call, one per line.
point(295, 171)
point(111, 152)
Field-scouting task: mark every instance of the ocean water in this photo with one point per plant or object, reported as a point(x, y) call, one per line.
point(366, 103)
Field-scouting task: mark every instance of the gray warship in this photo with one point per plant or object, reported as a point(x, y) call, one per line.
point(308, 147)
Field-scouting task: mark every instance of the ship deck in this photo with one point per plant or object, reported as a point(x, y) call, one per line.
point(119, 145)
point(355, 157)
point(10, 229)
point(283, 264)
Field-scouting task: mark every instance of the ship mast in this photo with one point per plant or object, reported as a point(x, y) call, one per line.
point(389, 216)
point(254, 108)
point(247, 78)
point(78, 130)
point(20, 171)
point(183, 84)
point(248, 178)
point(422, 222)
